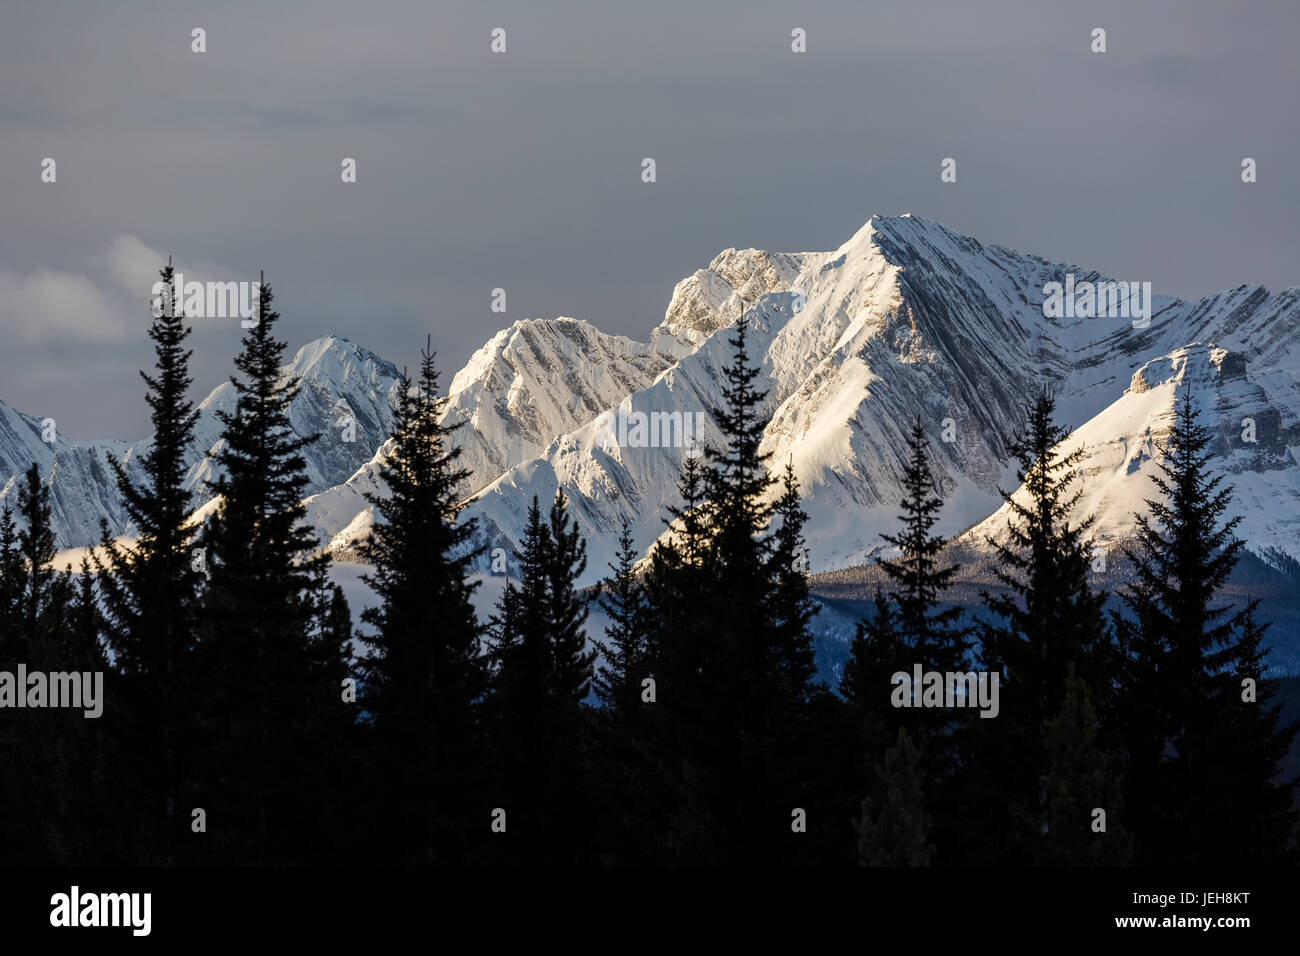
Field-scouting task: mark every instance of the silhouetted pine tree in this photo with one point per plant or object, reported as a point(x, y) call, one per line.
point(1052, 621)
point(618, 680)
point(264, 704)
point(544, 674)
point(894, 828)
point(1182, 656)
point(800, 708)
point(930, 632)
point(1079, 780)
point(682, 645)
point(729, 645)
point(571, 660)
point(876, 653)
point(569, 793)
point(150, 596)
point(51, 756)
point(872, 724)
point(44, 595)
point(1248, 799)
point(87, 807)
point(678, 640)
point(521, 668)
point(620, 726)
point(36, 616)
point(87, 623)
point(931, 635)
point(790, 606)
point(426, 673)
point(15, 834)
point(11, 586)
point(750, 797)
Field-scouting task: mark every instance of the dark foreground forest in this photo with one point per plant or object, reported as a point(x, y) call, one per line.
point(246, 721)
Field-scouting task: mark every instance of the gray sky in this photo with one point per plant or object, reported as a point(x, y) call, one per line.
point(522, 170)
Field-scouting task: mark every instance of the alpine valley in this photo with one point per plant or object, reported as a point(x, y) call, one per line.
point(904, 319)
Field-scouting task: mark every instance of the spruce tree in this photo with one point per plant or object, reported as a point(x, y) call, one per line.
point(1182, 652)
point(150, 590)
point(50, 817)
point(565, 562)
point(569, 794)
point(678, 641)
point(1052, 622)
point(790, 606)
point(31, 744)
point(11, 585)
point(876, 653)
point(730, 640)
point(622, 726)
point(919, 577)
point(744, 703)
point(681, 645)
point(426, 673)
point(1246, 795)
point(894, 828)
point(89, 799)
point(618, 680)
point(264, 702)
point(932, 636)
point(1079, 779)
point(543, 674)
point(44, 594)
point(86, 623)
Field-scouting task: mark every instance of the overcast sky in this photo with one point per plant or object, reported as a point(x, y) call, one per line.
point(522, 170)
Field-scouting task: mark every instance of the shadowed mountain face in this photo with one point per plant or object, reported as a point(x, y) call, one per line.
point(905, 319)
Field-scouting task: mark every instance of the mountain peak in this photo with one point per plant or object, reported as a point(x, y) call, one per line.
point(337, 358)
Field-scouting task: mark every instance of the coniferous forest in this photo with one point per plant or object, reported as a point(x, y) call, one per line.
point(247, 721)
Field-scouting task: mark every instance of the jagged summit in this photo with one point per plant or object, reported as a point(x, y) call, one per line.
point(904, 318)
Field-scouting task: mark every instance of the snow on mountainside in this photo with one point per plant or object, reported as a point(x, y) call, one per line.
point(341, 383)
point(531, 381)
point(707, 301)
point(1124, 444)
point(905, 319)
point(82, 488)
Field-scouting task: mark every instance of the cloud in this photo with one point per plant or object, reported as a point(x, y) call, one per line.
point(50, 305)
point(133, 265)
point(57, 305)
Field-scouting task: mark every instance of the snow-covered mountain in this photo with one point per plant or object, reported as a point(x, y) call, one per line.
point(906, 319)
point(345, 396)
point(82, 486)
point(534, 380)
point(909, 319)
point(1123, 446)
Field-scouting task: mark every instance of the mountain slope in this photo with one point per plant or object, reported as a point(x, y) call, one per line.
point(342, 383)
point(905, 319)
point(1124, 444)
